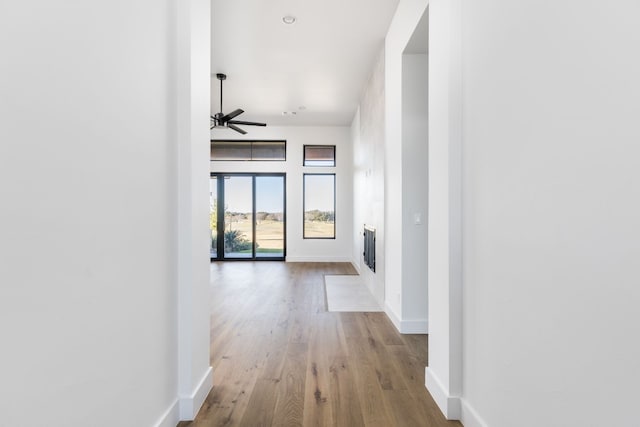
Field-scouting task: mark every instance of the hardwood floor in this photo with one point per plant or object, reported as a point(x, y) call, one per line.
point(280, 359)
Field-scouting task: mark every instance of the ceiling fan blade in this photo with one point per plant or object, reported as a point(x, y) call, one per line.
point(237, 129)
point(231, 115)
point(240, 122)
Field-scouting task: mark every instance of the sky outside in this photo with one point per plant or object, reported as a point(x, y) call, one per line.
point(269, 193)
point(319, 193)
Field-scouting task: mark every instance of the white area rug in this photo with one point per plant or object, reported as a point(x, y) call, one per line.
point(348, 293)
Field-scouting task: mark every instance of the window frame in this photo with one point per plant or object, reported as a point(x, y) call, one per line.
point(304, 202)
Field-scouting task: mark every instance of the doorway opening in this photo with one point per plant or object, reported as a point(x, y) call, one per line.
point(248, 216)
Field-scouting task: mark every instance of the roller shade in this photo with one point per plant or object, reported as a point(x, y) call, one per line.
point(319, 155)
point(248, 150)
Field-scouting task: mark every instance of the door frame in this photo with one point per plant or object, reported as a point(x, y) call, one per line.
point(220, 214)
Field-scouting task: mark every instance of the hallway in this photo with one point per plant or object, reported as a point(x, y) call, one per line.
point(280, 359)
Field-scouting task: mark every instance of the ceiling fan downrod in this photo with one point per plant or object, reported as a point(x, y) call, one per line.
point(221, 77)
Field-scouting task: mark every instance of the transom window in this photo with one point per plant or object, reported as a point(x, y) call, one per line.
point(319, 155)
point(248, 150)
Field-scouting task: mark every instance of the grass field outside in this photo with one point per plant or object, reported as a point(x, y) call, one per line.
point(269, 234)
point(319, 229)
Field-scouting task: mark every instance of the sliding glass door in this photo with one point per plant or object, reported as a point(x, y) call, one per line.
point(213, 215)
point(248, 216)
point(269, 222)
point(238, 216)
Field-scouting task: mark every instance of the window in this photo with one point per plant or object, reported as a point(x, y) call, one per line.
point(319, 155)
point(319, 206)
point(249, 150)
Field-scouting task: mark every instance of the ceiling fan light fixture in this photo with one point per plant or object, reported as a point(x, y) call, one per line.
point(289, 19)
point(221, 120)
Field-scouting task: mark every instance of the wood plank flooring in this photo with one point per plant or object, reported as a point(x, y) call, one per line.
point(280, 359)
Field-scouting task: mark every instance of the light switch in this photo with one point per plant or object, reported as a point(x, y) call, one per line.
point(417, 218)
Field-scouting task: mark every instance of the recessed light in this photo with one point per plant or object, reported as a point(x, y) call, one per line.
point(289, 19)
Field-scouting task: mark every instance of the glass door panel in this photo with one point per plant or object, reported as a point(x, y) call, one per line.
point(213, 215)
point(270, 216)
point(238, 217)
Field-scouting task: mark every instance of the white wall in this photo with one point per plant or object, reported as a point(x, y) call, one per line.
point(551, 207)
point(415, 126)
point(299, 249)
point(367, 135)
point(444, 373)
point(402, 27)
point(194, 80)
point(89, 218)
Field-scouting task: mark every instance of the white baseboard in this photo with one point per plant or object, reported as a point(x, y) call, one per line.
point(449, 405)
point(318, 259)
point(420, 326)
point(190, 405)
point(171, 416)
point(356, 265)
point(392, 316)
point(470, 417)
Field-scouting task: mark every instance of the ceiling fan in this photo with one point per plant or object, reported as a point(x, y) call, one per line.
point(224, 121)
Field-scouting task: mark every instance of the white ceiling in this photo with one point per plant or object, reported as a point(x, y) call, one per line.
point(321, 62)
